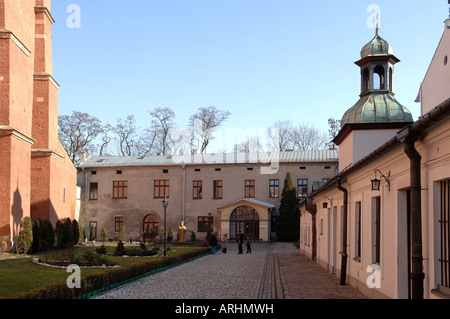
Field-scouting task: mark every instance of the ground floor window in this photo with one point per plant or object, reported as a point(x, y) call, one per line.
point(150, 226)
point(376, 213)
point(204, 224)
point(244, 219)
point(358, 230)
point(445, 233)
point(118, 223)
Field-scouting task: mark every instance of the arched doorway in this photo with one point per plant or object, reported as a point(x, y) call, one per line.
point(244, 219)
point(150, 226)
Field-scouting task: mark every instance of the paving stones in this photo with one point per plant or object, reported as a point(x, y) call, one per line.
point(219, 276)
point(301, 278)
point(271, 271)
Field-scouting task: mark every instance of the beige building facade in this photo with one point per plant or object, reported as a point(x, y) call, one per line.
point(391, 241)
point(227, 192)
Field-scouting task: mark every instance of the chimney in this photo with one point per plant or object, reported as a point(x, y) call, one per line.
point(83, 156)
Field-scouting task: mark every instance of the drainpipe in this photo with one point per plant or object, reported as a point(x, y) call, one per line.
point(417, 275)
point(86, 228)
point(343, 253)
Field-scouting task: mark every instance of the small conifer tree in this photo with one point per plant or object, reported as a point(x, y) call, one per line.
point(289, 222)
point(25, 239)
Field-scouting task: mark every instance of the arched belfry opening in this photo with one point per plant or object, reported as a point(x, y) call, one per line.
point(379, 78)
point(365, 80)
point(390, 79)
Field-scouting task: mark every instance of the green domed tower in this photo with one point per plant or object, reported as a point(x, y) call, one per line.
point(377, 115)
point(377, 103)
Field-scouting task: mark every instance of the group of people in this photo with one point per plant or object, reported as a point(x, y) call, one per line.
point(213, 242)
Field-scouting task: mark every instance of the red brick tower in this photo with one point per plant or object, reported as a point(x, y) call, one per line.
point(37, 179)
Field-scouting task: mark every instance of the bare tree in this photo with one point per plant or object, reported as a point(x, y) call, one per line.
point(281, 136)
point(252, 145)
point(126, 135)
point(284, 136)
point(203, 125)
point(105, 139)
point(77, 132)
point(308, 138)
point(333, 131)
point(161, 129)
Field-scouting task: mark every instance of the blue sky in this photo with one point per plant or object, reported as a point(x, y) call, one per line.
point(262, 60)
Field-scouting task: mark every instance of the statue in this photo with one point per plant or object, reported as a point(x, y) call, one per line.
point(182, 232)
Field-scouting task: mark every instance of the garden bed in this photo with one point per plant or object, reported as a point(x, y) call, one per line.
point(110, 278)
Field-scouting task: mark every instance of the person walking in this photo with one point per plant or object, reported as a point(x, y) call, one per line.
point(213, 243)
point(224, 243)
point(249, 245)
point(240, 242)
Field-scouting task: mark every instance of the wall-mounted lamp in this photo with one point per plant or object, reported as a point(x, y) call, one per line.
point(326, 200)
point(377, 182)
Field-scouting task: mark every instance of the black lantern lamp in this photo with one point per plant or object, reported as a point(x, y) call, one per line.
point(376, 183)
point(326, 200)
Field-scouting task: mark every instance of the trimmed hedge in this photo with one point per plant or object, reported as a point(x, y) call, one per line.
point(110, 278)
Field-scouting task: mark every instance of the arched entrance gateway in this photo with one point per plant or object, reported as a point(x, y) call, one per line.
point(245, 219)
point(150, 226)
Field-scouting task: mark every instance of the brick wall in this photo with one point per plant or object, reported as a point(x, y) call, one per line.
point(38, 177)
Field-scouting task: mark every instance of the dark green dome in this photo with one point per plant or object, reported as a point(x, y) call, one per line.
point(377, 108)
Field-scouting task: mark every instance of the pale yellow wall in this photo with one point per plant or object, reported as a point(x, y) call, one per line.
point(360, 143)
point(435, 152)
point(140, 201)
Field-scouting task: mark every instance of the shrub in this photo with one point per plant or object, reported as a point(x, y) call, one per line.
point(37, 241)
point(25, 239)
point(81, 230)
point(47, 236)
point(101, 250)
point(103, 234)
point(193, 237)
point(149, 253)
point(120, 249)
point(3, 246)
point(64, 233)
point(43, 236)
point(170, 234)
point(122, 233)
point(92, 235)
point(92, 259)
point(75, 232)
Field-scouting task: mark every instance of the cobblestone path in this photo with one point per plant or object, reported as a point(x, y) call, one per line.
point(271, 271)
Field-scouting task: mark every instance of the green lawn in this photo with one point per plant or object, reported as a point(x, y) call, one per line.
point(21, 275)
